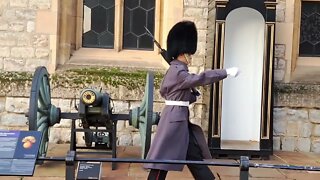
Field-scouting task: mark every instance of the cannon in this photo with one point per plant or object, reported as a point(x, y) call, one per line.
point(97, 120)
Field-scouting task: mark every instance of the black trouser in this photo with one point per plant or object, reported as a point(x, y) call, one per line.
point(199, 172)
point(156, 174)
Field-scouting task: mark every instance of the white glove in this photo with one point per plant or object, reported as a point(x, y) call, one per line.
point(233, 71)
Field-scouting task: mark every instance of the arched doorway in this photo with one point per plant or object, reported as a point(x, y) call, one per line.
point(240, 118)
point(244, 43)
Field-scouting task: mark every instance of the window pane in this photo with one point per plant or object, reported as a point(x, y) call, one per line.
point(310, 29)
point(137, 15)
point(98, 23)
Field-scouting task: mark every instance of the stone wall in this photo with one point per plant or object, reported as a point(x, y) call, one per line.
point(21, 47)
point(296, 120)
point(198, 113)
point(280, 62)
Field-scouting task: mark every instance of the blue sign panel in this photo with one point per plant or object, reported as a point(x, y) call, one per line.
point(18, 152)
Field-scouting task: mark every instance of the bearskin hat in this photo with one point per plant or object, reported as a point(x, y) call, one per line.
point(182, 38)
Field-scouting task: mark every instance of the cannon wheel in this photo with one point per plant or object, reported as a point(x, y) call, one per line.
point(145, 122)
point(42, 114)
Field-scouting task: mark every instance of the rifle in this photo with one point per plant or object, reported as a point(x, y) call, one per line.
point(163, 53)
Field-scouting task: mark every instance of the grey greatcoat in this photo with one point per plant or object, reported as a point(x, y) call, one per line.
point(172, 138)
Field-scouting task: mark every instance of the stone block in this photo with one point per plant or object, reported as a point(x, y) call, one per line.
point(19, 3)
point(30, 26)
point(129, 127)
point(303, 144)
point(60, 135)
point(279, 127)
point(13, 64)
point(26, 14)
point(17, 105)
point(276, 143)
point(201, 23)
point(32, 64)
point(136, 139)
point(314, 115)
point(202, 3)
point(275, 63)
point(40, 40)
point(315, 145)
point(1, 63)
point(190, 12)
point(22, 52)
point(4, 52)
point(80, 138)
point(196, 121)
point(125, 139)
point(288, 143)
point(279, 114)
point(297, 114)
point(25, 39)
point(2, 104)
point(17, 26)
point(158, 106)
point(194, 69)
point(197, 61)
point(40, 4)
point(316, 130)
point(3, 6)
point(279, 75)
point(280, 15)
point(190, 2)
point(65, 105)
point(305, 130)
point(134, 104)
point(292, 129)
point(120, 125)
point(42, 53)
point(281, 64)
point(4, 26)
point(121, 107)
point(11, 119)
point(64, 123)
point(280, 50)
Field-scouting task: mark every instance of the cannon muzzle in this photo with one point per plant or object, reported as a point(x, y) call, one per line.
point(90, 97)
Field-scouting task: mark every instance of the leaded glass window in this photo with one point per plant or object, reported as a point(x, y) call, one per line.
point(137, 15)
point(98, 23)
point(310, 29)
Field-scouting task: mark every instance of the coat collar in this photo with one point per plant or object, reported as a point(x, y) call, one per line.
point(177, 62)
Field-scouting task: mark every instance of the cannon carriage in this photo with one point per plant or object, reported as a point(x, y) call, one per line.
point(97, 120)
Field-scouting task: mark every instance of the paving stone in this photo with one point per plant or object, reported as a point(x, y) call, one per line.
point(301, 175)
point(10, 178)
point(226, 171)
point(263, 173)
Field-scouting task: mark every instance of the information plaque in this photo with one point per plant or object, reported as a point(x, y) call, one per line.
point(18, 152)
point(89, 170)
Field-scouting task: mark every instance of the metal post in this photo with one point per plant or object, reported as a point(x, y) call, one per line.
point(70, 165)
point(114, 145)
point(244, 168)
point(73, 136)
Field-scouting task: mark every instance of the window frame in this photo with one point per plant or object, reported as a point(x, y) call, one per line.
point(117, 52)
point(297, 60)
